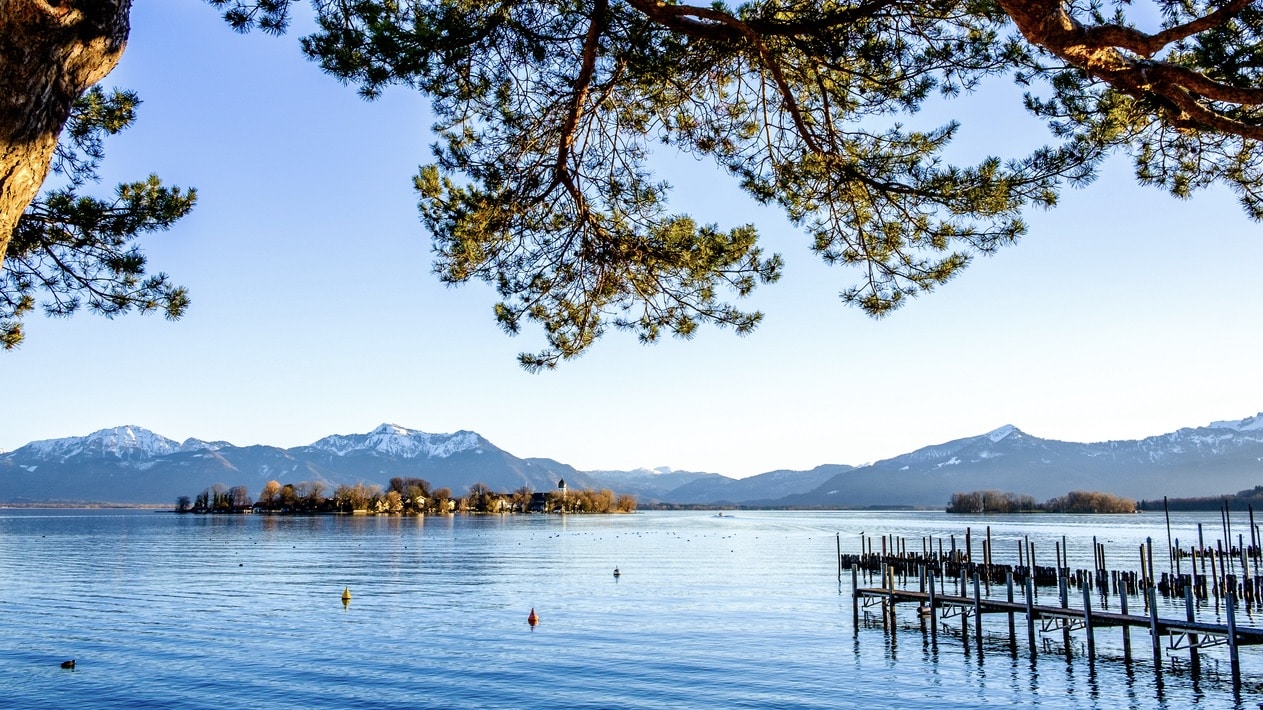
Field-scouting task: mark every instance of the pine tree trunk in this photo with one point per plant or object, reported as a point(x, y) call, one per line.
point(51, 51)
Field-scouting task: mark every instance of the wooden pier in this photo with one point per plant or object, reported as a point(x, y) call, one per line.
point(921, 581)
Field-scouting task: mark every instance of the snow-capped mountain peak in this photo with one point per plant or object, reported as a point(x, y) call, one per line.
point(394, 440)
point(123, 442)
point(999, 434)
point(199, 445)
point(1254, 423)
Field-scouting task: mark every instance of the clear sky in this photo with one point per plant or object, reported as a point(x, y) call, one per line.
point(1123, 313)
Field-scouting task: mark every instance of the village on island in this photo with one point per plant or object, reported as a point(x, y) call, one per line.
point(403, 496)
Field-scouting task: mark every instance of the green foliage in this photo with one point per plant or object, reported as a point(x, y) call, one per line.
point(271, 16)
point(77, 250)
point(548, 114)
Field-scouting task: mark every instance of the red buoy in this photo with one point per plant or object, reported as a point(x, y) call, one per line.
point(532, 619)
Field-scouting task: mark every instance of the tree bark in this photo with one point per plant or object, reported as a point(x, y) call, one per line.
point(1121, 56)
point(51, 51)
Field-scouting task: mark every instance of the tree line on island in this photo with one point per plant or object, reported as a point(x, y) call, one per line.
point(403, 496)
point(1072, 502)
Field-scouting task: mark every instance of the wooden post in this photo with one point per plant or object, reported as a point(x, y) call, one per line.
point(986, 563)
point(933, 611)
point(1254, 541)
point(964, 616)
point(1122, 598)
point(1245, 567)
point(1152, 594)
point(1179, 569)
point(1087, 622)
point(855, 594)
point(890, 589)
point(1233, 658)
point(1201, 548)
point(1223, 525)
point(1149, 549)
point(1030, 612)
point(1228, 536)
point(1064, 594)
point(978, 612)
point(1008, 583)
point(1192, 568)
point(1030, 555)
point(987, 560)
point(1194, 659)
point(1144, 574)
point(1170, 560)
point(839, 558)
point(1221, 576)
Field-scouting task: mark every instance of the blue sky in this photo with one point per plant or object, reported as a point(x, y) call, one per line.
point(1123, 313)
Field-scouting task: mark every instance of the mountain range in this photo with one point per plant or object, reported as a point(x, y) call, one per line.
point(132, 465)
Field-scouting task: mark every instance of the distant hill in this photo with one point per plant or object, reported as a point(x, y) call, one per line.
point(1225, 456)
point(130, 464)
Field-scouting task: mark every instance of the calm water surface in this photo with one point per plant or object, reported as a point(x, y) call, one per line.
point(171, 611)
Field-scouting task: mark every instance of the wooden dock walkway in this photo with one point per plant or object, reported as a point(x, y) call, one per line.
point(1017, 584)
point(1246, 636)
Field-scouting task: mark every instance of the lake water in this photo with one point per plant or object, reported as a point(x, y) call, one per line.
point(741, 611)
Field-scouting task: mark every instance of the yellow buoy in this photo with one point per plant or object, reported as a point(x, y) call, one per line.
point(346, 594)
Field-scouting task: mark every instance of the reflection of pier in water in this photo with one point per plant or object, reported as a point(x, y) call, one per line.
point(945, 585)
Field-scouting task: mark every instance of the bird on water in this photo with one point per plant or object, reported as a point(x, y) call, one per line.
point(68, 664)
